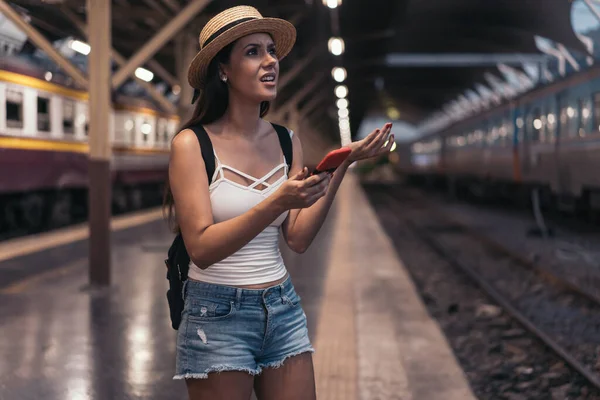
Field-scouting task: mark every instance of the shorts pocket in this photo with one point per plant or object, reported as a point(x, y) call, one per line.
point(209, 309)
point(292, 299)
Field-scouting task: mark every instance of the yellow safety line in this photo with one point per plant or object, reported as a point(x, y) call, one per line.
point(31, 244)
point(335, 357)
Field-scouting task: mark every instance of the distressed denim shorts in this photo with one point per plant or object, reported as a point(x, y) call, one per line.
point(224, 328)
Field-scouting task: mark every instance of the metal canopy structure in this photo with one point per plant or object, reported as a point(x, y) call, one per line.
point(409, 59)
point(412, 56)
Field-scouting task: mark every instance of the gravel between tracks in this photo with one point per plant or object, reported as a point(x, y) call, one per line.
point(500, 358)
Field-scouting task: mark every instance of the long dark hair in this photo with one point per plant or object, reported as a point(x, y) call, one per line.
point(211, 105)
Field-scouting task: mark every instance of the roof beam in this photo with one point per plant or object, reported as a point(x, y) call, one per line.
point(292, 103)
point(299, 67)
point(173, 5)
point(461, 59)
point(119, 59)
point(43, 44)
point(312, 104)
point(159, 40)
point(162, 72)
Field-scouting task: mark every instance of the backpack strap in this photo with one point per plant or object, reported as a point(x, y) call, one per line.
point(286, 143)
point(207, 150)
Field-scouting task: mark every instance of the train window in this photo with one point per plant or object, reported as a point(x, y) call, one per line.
point(82, 121)
point(585, 111)
point(162, 126)
point(564, 122)
point(14, 108)
point(68, 116)
point(146, 129)
point(43, 114)
point(550, 128)
point(535, 126)
point(596, 112)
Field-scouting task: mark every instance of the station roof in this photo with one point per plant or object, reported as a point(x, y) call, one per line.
point(371, 30)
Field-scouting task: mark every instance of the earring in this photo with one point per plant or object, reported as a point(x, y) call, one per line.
point(224, 79)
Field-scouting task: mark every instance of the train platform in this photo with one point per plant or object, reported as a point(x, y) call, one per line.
point(62, 340)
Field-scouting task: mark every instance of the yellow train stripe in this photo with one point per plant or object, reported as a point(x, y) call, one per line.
point(40, 84)
point(40, 144)
point(65, 146)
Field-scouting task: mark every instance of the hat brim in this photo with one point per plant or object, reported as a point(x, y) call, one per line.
point(282, 32)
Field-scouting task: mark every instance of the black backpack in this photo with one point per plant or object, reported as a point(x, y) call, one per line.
point(178, 259)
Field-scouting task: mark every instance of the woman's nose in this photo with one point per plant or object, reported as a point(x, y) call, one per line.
point(270, 59)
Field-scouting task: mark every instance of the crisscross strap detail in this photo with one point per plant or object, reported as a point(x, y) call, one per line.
point(255, 181)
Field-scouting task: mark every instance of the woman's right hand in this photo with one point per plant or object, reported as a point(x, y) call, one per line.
point(301, 192)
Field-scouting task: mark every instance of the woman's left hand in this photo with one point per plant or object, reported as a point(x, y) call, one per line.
point(376, 143)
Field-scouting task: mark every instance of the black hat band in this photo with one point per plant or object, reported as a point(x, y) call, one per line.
point(225, 28)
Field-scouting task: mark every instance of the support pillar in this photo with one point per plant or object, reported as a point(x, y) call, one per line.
point(99, 194)
point(186, 47)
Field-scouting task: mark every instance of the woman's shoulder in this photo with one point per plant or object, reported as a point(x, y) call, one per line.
point(272, 125)
point(184, 139)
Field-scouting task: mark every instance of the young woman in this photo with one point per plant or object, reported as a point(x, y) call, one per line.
point(243, 326)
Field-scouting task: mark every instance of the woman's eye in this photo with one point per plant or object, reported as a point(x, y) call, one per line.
point(251, 52)
point(272, 50)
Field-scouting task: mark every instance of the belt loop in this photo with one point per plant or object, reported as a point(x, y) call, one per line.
point(238, 297)
point(282, 291)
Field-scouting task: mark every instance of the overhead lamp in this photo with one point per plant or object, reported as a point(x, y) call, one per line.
point(144, 74)
point(336, 46)
point(343, 113)
point(48, 76)
point(80, 47)
point(393, 113)
point(339, 74)
point(341, 91)
point(332, 3)
point(342, 103)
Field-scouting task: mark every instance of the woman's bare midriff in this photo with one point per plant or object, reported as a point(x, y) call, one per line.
point(259, 285)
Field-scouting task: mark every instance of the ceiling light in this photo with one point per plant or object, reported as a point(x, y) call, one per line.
point(341, 91)
point(393, 113)
point(339, 74)
point(343, 113)
point(80, 47)
point(144, 74)
point(332, 3)
point(342, 103)
point(336, 46)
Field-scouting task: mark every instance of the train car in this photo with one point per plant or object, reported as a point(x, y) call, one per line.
point(547, 138)
point(44, 151)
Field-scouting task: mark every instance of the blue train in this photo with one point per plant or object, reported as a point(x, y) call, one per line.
point(547, 138)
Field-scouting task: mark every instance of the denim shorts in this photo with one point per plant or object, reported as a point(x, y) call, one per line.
point(224, 328)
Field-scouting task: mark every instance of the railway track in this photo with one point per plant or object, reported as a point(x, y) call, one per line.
point(564, 317)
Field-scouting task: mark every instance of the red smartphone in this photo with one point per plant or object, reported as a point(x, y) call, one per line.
point(332, 160)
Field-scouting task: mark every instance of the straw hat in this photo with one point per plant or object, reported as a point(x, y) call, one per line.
point(233, 24)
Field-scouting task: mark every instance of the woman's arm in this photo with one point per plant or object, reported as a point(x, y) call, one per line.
point(301, 226)
point(205, 241)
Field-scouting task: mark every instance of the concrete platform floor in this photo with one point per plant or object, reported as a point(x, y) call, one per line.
point(62, 341)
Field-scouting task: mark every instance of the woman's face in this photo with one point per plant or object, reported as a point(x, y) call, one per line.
point(253, 67)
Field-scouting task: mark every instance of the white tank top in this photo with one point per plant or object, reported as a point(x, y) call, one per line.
point(260, 260)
